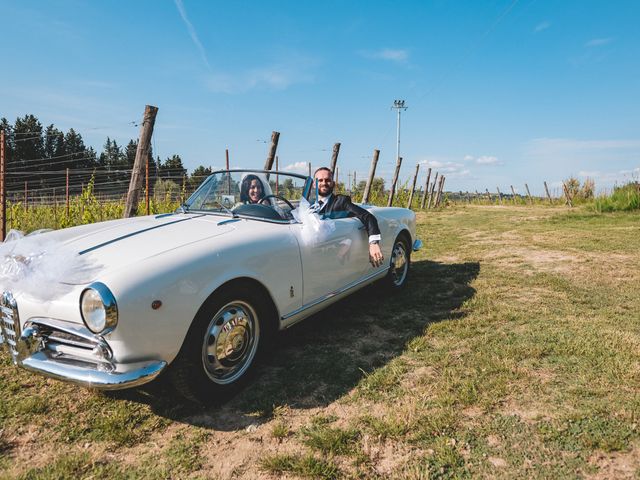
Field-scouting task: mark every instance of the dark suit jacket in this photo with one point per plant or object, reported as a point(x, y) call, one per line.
point(341, 206)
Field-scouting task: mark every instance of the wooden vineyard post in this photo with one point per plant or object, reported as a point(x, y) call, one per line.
point(440, 190)
point(275, 136)
point(334, 157)
point(142, 152)
point(431, 193)
point(567, 196)
point(546, 189)
point(413, 186)
point(55, 208)
point(489, 196)
point(392, 191)
point(426, 189)
point(3, 191)
point(26, 196)
point(277, 176)
point(372, 173)
point(226, 155)
point(499, 195)
point(67, 193)
point(514, 194)
point(146, 178)
point(528, 194)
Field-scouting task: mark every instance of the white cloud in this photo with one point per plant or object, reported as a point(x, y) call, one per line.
point(486, 160)
point(598, 42)
point(298, 167)
point(542, 26)
point(482, 160)
point(390, 54)
point(446, 168)
point(279, 76)
point(192, 32)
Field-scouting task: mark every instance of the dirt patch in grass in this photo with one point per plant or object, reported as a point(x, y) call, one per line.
point(615, 465)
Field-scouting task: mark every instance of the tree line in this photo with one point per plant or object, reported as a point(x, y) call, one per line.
point(41, 156)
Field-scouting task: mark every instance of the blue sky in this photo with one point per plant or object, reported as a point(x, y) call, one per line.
point(499, 92)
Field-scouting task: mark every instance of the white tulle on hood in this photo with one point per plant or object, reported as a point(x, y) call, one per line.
point(41, 267)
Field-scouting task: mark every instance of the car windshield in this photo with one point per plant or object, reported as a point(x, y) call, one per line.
point(250, 193)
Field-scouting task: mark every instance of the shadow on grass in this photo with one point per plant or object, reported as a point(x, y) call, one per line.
point(322, 358)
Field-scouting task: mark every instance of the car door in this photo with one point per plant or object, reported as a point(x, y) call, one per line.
point(338, 261)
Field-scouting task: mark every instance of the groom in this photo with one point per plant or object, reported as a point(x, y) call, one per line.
point(339, 206)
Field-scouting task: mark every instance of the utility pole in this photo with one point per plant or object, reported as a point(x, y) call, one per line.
point(399, 106)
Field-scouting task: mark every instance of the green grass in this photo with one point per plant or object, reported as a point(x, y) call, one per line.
point(514, 353)
point(304, 466)
point(622, 199)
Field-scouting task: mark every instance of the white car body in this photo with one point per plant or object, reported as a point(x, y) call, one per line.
point(180, 260)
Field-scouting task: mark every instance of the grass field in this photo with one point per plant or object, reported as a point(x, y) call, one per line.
point(514, 353)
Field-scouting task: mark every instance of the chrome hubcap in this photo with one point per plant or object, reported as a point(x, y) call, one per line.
point(399, 263)
point(230, 342)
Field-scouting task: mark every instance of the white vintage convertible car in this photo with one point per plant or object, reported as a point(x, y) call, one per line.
point(197, 292)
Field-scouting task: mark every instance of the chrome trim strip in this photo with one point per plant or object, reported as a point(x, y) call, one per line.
point(73, 329)
point(231, 220)
point(10, 330)
point(113, 240)
point(334, 293)
point(80, 374)
point(417, 245)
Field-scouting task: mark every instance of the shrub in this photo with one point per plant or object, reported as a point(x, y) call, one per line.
point(623, 199)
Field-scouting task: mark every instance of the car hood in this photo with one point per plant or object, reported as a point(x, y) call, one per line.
point(121, 243)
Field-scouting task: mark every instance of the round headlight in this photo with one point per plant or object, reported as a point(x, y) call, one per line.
point(98, 308)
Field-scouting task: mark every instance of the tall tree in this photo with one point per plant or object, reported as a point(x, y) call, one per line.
point(198, 176)
point(173, 169)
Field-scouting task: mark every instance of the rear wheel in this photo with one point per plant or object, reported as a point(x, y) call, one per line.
point(399, 264)
point(222, 345)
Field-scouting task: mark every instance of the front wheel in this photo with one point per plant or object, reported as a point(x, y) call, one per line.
point(222, 345)
point(399, 264)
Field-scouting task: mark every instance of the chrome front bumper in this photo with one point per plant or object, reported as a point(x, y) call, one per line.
point(68, 352)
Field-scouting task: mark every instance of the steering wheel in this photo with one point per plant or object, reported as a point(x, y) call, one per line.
point(279, 197)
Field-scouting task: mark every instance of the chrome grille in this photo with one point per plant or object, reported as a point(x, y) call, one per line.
point(9, 324)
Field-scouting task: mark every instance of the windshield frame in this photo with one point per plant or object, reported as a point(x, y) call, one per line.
point(306, 192)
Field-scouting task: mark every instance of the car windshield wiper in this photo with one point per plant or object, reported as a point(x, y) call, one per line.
point(184, 208)
point(230, 212)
